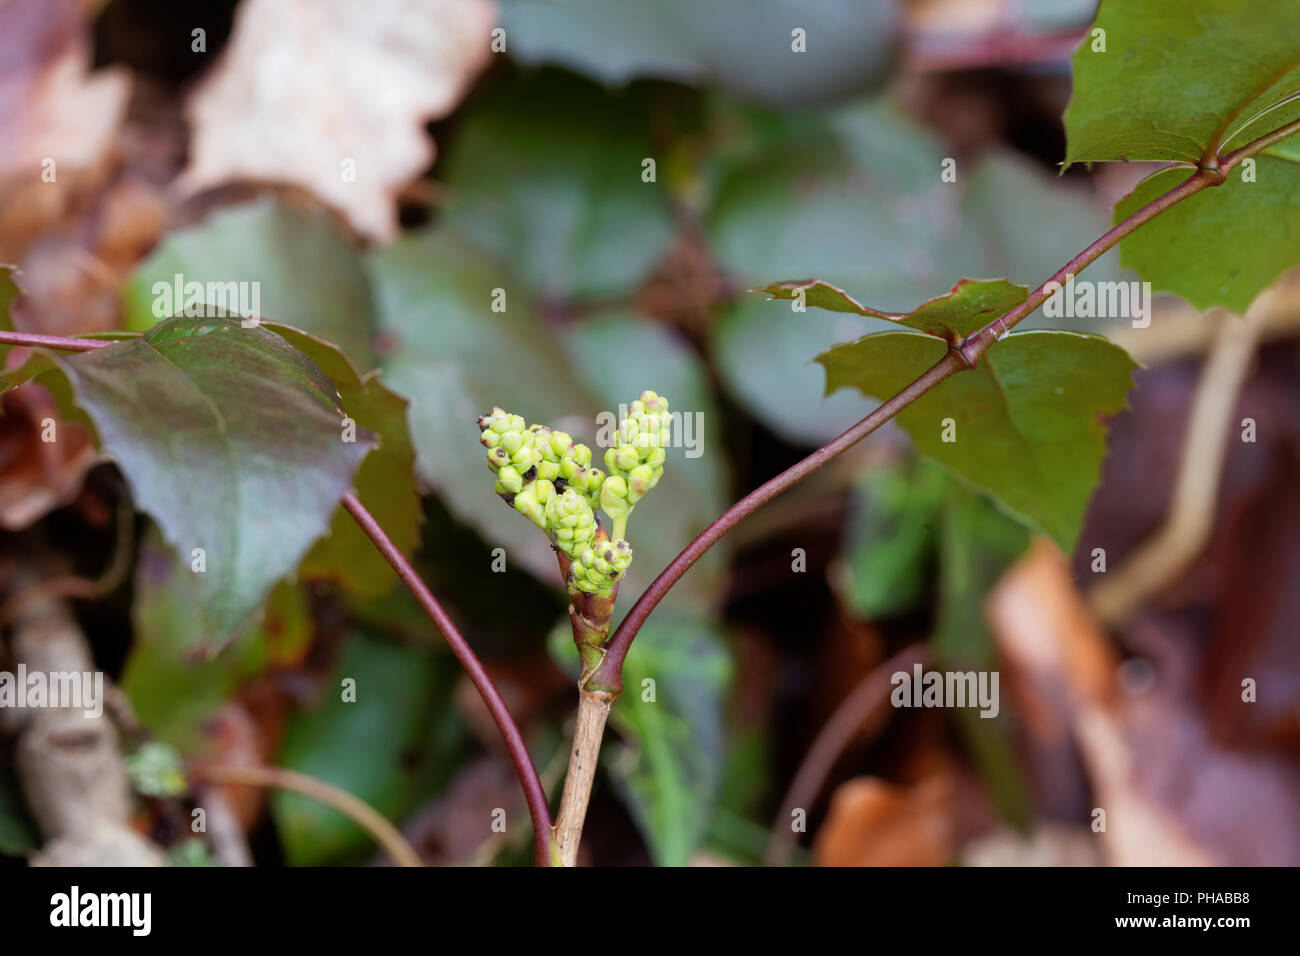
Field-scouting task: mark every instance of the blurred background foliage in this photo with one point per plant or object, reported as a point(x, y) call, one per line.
point(768, 166)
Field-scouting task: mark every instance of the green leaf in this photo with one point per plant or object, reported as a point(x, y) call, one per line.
point(307, 273)
point(455, 358)
point(1222, 246)
point(232, 440)
point(1027, 418)
point(1177, 78)
point(379, 747)
point(547, 175)
point(618, 357)
point(669, 766)
point(889, 540)
point(385, 482)
point(744, 46)
point(977, 543)
point(968, 307)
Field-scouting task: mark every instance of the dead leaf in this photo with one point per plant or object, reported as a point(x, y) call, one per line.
point(309, 91)
point(875, 823)
point(38, 476)
point(58, 120)
point(1043, 627)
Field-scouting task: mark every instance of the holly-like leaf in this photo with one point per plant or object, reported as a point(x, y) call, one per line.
point(295, 265)
point(1178, 79)
point(1188, 83)
point(231, 439)
point(971, 305)
point(1023, 425)
point(385, 482)
point(670, 763)
point(1223, 246)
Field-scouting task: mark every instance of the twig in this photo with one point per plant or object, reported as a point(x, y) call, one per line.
point(355, 809)
point(593, 712)
point(532, 784)
point(60, 342)
point(960, 358)
point(850, 716)
point(1190, 519)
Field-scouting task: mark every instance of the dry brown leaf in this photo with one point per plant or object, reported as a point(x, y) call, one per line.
point(38, 476)
point(306, 87)
point(875, 823)
point(58, 120)
point(1044, 628)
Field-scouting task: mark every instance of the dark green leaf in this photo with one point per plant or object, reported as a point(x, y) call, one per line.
point(744, 46)
point(232, 440)
point(547, 175)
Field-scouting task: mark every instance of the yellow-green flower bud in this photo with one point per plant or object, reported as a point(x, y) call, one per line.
point(527, 504)
point(509, 481)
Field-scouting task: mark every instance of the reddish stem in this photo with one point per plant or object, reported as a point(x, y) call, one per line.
point(532, 783)
point(52, 341)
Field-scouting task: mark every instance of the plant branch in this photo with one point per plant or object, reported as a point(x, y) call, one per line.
point(532, 784)
point(959, 358)
point(64, 343)
point(354, 808)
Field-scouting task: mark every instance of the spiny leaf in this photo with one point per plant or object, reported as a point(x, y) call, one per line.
point(1178, 78)
point(1025, 422)
point(971, 305)
point(1223, 246)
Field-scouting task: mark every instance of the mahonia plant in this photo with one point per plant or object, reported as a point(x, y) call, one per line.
point(549, 479)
